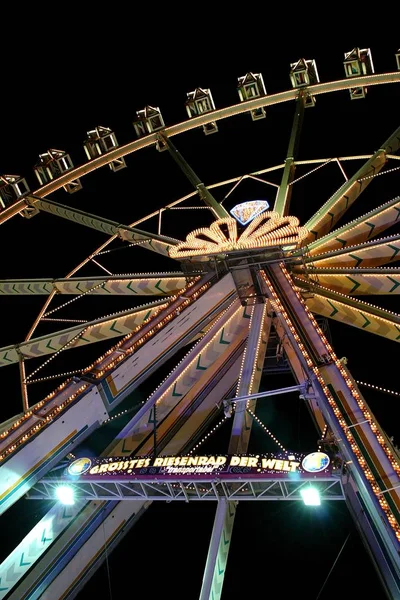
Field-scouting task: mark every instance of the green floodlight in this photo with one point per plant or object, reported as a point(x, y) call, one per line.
point(65, 494)
point(310, 496)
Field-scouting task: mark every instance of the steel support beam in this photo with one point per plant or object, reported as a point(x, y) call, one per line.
point(185, 377)
point(371, 309)
point(269, 393)
point(282, 202)
point(249, 381)
point(155, 284)
point(354, 312)
point(63, 562)
point(24, 388)
point(225, 512)
point(150, 241)
point(363, 445)
point(299, 370)
point(352, 281)
point(325, 218)
point(250, 377)
point(362, 229)
point(90, 332)
point(204, 193)
point(368, 535)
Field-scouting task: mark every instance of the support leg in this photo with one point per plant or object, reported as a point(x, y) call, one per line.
point(217, 558)
point(249, 382)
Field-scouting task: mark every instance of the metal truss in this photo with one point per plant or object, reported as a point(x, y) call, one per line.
point(242, 488)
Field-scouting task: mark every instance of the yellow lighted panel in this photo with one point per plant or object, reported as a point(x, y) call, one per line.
point(268, 229)
point(357, 232)
point(353, 284)
point(362, 255)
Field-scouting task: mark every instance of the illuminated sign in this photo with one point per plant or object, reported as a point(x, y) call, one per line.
point(284, 464)
point(247, 211)
point(315, 462)
point(79, 466)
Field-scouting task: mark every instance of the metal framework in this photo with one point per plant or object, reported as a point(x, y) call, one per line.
point(242, 489)
point(235, 293)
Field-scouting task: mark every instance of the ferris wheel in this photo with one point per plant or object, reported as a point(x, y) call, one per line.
point(235, 279)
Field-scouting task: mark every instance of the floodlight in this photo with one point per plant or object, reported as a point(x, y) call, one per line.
point(310, 496)
point(65, 494)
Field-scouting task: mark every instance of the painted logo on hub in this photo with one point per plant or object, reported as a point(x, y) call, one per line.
point(79, 466)
point(315, 462)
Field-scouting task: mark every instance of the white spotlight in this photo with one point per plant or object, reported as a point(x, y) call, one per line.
point(65, 494)
point(310, 496)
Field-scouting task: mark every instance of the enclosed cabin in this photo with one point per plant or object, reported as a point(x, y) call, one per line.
point(99, 142)
point(251, 86)
point(200, 102)
point(51, 165)
point(304, 73)
point(356, 64)
point(149, 120)
point(397, 55)
point(12, 188)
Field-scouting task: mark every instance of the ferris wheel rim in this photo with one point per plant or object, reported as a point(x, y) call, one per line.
point(219, 114)
point(195, 122)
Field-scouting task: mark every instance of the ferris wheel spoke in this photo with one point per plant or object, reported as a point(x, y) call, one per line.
point(100, 249)
point(357, 282)
point(88, 333)
point(326, 217)
point(369, 254)
point(355, 313)
point(361, 229)
point(282, 202)
point(141, 284)
point(204, 193)
point(150, 241)
point(24, 387)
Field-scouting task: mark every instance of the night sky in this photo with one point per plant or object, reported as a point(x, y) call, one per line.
point(66, 90)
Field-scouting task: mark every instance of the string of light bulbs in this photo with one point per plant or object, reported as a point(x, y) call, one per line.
point(207, 435)
point(271, 435)
point(378, 388)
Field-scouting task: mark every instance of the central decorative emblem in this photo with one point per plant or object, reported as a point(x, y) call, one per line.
point(247, 211)
point(267, 230)
point(79, 466)
point(315, 462)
